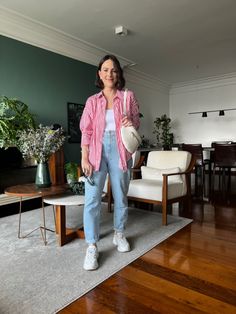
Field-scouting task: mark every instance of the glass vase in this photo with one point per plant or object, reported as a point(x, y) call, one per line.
point(43, 179)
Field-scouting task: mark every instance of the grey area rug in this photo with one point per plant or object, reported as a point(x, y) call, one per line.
point(43, 279)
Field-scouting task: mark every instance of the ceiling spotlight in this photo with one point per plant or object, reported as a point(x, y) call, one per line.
point(204, 114)
point(121, 30)
point(221, 113)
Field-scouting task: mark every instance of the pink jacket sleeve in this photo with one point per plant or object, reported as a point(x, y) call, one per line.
point(86, 126)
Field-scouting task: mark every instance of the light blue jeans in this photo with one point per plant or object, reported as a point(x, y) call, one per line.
point(119, 184)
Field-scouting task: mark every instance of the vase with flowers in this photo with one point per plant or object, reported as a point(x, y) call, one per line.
point(40, 143)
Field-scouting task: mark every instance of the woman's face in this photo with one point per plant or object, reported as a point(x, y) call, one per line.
point(108, 74)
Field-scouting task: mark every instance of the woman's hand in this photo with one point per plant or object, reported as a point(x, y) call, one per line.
point(86, 167)
point(85, 164)
point(126, 122)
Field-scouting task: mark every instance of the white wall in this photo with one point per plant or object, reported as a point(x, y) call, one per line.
point(203, 96)
point(153, 99)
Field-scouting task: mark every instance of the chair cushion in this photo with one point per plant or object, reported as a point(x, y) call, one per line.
point(152, 189)
point(169, 159)
point(156, 174)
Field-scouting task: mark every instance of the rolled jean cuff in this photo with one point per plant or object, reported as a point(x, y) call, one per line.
point(119, 231)
point(92, 241)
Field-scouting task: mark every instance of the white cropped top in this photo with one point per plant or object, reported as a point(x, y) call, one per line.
point(110, 120)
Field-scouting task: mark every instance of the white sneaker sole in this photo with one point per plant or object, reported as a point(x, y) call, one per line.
point(90, 269)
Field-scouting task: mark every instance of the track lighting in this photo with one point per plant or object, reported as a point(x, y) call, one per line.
point(204, 113)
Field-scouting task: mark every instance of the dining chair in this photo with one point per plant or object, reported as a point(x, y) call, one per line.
point(200, 165)
point(213, 144)
point(224, 160)
point(220, 142)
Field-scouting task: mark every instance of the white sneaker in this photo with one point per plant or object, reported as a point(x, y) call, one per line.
point(120, 241)
point(90, 261)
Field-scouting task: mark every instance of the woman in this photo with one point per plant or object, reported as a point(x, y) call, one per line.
point(103, 152)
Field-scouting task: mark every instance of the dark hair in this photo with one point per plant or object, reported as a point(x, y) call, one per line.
point(120, 78)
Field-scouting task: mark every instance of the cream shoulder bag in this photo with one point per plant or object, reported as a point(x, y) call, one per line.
point(130, 137)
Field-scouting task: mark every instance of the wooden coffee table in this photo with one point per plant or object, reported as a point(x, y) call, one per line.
point(32, 190)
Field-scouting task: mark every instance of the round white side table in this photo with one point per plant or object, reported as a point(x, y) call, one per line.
point(65, 235)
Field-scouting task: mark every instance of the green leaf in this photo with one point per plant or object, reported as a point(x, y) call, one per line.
point(14, 116)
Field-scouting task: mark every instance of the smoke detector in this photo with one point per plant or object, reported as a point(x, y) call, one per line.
point(121, 30)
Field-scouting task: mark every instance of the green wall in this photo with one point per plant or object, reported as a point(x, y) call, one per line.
point(45, 81)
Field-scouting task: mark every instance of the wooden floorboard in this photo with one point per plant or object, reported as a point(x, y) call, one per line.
point(194, 271)
point(190, 281)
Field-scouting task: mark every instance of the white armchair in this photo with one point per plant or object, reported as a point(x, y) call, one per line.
point(165, 180)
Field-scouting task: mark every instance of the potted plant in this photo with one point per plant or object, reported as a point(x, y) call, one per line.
point(76, 184)
point(14, 117)
point(162, 127)
point(71, 169)
point(145, 142)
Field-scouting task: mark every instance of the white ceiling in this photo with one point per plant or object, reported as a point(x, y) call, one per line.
point(172, 40)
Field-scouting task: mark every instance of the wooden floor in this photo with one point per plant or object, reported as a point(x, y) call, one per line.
point(194, 271)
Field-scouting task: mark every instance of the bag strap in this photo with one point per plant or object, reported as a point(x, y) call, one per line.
point(124, 104)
